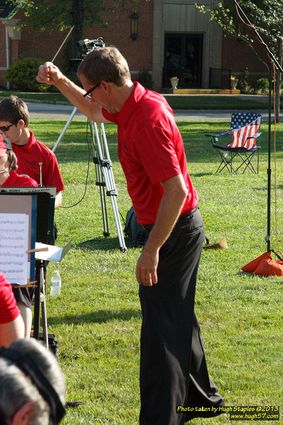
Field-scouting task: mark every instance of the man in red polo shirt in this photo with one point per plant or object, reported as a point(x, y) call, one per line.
point(173, 369)
point(34, 158)
point(10, 178)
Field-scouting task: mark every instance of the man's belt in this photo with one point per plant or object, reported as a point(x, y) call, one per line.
point(148, 227)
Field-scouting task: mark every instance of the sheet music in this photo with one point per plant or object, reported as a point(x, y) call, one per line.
point(13, 247)
point(52, 253)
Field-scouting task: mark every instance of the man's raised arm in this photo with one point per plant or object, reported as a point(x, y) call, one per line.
point(49, 73)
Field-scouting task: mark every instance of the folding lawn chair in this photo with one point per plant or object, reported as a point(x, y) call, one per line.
point(242, 143)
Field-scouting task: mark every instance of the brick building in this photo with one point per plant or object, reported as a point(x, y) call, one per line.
point(159, 38)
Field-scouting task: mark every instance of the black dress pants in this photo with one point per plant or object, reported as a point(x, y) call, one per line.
point(173, 369)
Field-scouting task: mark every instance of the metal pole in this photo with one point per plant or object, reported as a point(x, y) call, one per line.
point(267, 238)
point(64, 129)
point(43, 306)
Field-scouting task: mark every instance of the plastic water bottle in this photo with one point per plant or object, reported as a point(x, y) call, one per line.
point(55, 284)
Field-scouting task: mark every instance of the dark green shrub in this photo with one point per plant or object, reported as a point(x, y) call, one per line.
point(22, 73)
point(243, 83)
point(262, 85)
point(145, 78)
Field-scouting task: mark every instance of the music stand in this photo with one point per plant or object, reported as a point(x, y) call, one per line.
point(44, 204)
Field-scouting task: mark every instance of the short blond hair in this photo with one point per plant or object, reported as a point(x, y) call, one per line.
point(105, 63)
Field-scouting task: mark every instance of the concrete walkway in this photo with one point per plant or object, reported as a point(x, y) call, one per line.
point(53, 111)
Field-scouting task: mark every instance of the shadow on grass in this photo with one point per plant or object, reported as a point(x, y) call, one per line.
point(101, 316)
point(201, 174)
point(252, 276)
point(102, 244)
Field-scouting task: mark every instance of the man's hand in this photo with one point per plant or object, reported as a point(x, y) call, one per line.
point(146, 269)
point(49, 73)
point(175, 192)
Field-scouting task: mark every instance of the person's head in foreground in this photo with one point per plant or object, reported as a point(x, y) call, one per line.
point(32, 385)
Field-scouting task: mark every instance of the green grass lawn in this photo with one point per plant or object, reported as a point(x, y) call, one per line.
point(96, 320)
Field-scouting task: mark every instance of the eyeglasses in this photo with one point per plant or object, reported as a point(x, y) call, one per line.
point(92, 89)
point(5, 128)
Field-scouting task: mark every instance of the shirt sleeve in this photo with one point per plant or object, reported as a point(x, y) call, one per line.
point(8, 307)
point(52, 176)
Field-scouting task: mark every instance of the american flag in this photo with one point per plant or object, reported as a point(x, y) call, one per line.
point(243, 125)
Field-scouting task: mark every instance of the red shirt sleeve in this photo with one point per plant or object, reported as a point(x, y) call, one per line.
point(8, 306)
point(52, 174)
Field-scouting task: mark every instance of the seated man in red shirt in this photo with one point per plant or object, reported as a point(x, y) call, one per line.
point(34, 158)
point(10, 178)
point(8, 166)
point(11, 323)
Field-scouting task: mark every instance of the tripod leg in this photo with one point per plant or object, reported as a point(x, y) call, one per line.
point(104, 212)
point(64, 129)
point(118, 224)
point(36, 315)
point(101, 185)
point(107, 173)
point(43, 306)
point(113, 198)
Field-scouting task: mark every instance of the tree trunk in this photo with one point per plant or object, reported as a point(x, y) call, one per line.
point(72, 50)
point(78, 12)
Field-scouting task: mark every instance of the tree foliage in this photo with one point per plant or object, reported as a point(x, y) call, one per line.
point(50, 15)
point(265, 15)
point(266, 18)
point(46, 15)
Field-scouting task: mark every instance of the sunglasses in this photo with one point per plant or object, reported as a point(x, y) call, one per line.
point(5, 128)
point(92, 89)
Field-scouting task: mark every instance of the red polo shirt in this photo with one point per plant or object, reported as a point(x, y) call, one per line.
point(15, 180)
point(8, 306)
point(29, 158)
point(151, 150)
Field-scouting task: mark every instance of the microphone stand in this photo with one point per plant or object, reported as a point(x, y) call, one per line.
point(273, 63)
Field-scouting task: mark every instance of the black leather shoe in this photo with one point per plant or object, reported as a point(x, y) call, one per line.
point(208, 411)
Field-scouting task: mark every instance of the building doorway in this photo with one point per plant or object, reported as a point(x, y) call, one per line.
point(183, 58)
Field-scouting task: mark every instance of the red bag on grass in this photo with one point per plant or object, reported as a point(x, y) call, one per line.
point(264, 265)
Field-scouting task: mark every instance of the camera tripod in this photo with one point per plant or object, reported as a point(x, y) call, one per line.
point(104, 175)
